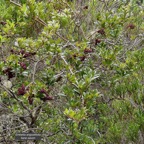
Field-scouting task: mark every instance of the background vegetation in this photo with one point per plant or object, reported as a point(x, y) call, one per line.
point(72, 71)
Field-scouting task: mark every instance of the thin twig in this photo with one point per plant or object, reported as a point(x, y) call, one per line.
point(62, 37)
point(67, 64)
point(15, 3)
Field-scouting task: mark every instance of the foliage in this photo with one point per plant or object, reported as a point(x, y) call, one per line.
point(76, 70)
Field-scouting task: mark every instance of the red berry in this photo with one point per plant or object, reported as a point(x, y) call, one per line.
point(3, 23)
point(9, 73)
point(26, 55)
point(7, 70)
point(21, 90)
point(131, 26)
point(23, 65)
point(43, 91)
point(30, 100)
point(101, 31)
point(46, 98)
point(49, 98)
point(22, 51)
point(82, 58)
point(97, 41)
point(87, 50)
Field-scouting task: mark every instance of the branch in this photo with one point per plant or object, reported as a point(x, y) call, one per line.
point(62, 37)
point(15, 3)
point(67, 64)
point(36, 114)
point(36, 19)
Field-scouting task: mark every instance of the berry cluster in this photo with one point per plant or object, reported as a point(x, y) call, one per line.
point(97, 41)
point(23, 53)
point(21, 90)
point(82, 58)
point(23, 65)
point(131, 26)
point(76, 55)
point(88, 50)
point(101, 31)
point(8, 71)
point(3, 23)
point(30, 99)
point(46, 95)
